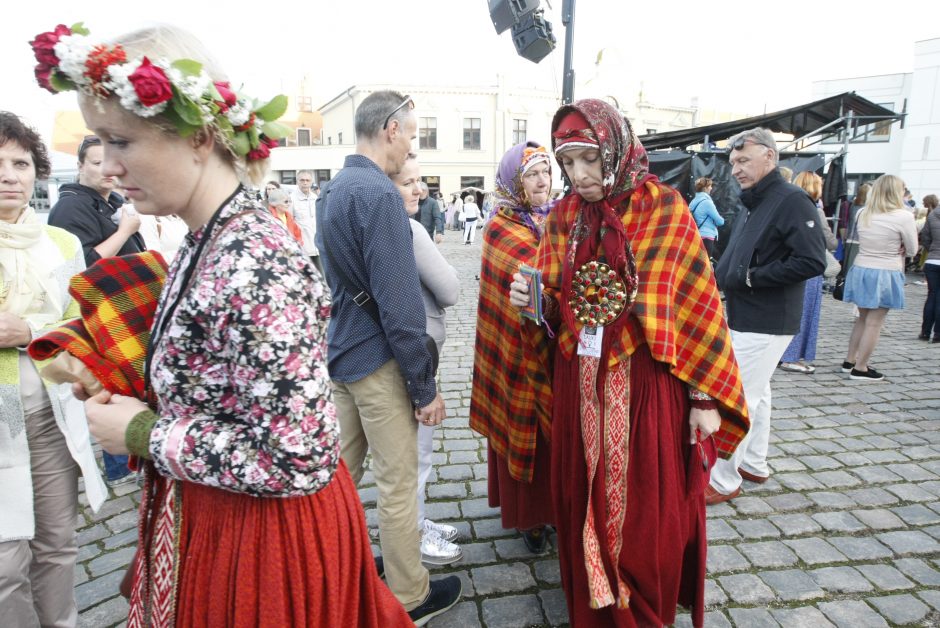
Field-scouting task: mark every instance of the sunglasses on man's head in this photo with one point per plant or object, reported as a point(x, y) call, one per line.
point(407, 101)
point(739, 143)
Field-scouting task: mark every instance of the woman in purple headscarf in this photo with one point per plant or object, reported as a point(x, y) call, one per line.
point(503, 406)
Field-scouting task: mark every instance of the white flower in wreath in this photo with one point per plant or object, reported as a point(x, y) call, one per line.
point(72, 52)
point(124, 89)
point(239, 114)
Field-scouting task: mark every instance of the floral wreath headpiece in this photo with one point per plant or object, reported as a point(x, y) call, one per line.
point(181, 91)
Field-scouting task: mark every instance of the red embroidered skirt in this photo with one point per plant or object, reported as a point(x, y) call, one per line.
point(664, 544)
point(522, 505)
point(299, 561)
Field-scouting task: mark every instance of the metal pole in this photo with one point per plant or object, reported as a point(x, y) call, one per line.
point(567, 18)
point(849, 122)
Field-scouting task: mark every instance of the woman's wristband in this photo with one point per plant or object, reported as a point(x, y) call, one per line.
point(137, 434)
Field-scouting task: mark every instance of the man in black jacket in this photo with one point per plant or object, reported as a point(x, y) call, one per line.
point(429, 214)
point(773, 249)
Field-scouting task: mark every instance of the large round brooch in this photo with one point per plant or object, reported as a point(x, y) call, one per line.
point(598, 295)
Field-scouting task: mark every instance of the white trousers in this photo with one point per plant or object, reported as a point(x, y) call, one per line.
point(758, 356)
point(470, 231)
point(425, 448)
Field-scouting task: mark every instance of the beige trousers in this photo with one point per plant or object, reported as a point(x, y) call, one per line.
point(37, 577)
point(376, 414)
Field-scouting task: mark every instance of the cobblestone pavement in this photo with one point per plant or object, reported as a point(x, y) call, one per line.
point(845, 533)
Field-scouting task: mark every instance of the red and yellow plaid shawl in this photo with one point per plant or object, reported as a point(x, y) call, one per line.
point(677, 313)
point(117, 298)
point(503, 404)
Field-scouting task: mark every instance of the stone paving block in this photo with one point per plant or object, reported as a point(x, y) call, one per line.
point(464, 457)
point(514, 548)
point(910, 492)
point(879, 456)
point(876, 474)
point(932, 597)
point(748, 506)
point(442, 511)
point(455, 472)
point(782, 465)
point(714, 619)
point(514, 611)
point(933, 531)
point(755, 528)
point(122, 521)
point(820, 463)
point(554, 606)
point(98, 590)
point(466, 582)
point(107, 563)
point(829, 446)
point(796, 524)
point(476, 508)
point(468, 444)
point(804, 617)
point(369, 495)
point(719, 511)
point(719, 530)
point(79, 574)
point(836, 479)
point(713, 594)
point(480, 471)
point(478, 488)
point(872, 497)
point(852, 459)
point(792, 585)
point(841, 580)
point(909, 542)
point(725, 558)
point(831, 500)
point(796, 449)
point(815, 551)
point(751, 617)
point(900, 609)
point(919, 571)
point(106, 614)
point(917, 515)
point(463, 615)
point(502, 578)
point(113, 506)
point(931, 486)
point(768, 554)
point(852, 614)
point(447, 490)
point(477, 553)
point(885, 577)
point(490, 528)
point(879, 519)
point(789, 501)
point(128, 537)
point(839, 522)
point(92, 534)
point(912, 472)
point(746, 589)
point(798, 481)
point(547, 571)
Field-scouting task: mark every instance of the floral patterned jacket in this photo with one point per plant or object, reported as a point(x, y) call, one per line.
point(244, 397)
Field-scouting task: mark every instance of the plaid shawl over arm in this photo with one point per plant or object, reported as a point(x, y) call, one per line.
point(504, 406)
point(677, 313)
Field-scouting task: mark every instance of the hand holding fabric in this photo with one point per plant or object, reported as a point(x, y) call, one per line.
point(707, 422)
point(14, 332)
point(108, 417)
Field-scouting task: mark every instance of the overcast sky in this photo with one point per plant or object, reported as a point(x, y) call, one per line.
point(732, 55)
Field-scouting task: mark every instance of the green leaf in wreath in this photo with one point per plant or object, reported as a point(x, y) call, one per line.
point(78, 28)
point(188, 111)
point(188, 67)
point(276, 130)
point(240, 144)
point(60, 82)
point(274, 109)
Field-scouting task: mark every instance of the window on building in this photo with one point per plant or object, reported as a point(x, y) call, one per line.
point(519, 131)
point(471, 134)
point(433, 183)
point(878, 131)
point(305, 103)
point(650, 131)
point(321, 176)
point(303, 137)
point(339, 138)
point(427, 132)
point(288, 177)
point(471, 182)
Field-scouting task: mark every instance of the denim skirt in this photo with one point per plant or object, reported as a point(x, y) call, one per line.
point(872, 288)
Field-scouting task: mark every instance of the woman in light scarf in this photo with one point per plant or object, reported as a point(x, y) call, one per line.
point(44, 440)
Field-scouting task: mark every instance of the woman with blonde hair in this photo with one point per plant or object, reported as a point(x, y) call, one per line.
point(802, 349)
point(248, 515)
point(875, 283)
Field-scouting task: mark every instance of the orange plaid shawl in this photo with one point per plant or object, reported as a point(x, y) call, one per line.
point(503, 403)
point(677, 312)
point(117, 297)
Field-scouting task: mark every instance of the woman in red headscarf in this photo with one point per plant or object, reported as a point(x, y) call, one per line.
point(646, 389)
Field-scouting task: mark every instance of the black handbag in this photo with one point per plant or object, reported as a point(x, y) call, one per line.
point(364, 300)
point(838, 290)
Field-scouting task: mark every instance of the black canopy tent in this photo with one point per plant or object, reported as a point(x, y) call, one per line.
point(675, 164)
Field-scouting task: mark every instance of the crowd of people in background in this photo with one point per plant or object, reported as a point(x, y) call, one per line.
point(621, 376)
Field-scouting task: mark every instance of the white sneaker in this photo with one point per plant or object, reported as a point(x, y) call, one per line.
point(437, 551)
point(446, 532)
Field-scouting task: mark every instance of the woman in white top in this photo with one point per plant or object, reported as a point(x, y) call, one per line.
point(875, 283)
point(439, 287)
point(471, 213)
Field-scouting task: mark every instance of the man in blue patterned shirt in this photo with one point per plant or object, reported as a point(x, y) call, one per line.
point(382, 374)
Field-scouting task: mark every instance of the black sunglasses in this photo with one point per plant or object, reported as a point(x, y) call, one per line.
point(407, 101)
point(87, 142)
point(739, 143)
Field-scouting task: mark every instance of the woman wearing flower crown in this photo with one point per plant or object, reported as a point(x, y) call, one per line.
point(248, 516)
point(503, 405)
point(645, 384)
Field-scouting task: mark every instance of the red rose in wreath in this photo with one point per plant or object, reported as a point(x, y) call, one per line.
point(229, 99)
point(151, 84)
point(44, 45)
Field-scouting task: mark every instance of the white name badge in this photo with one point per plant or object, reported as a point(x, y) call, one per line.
point(591, 340)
